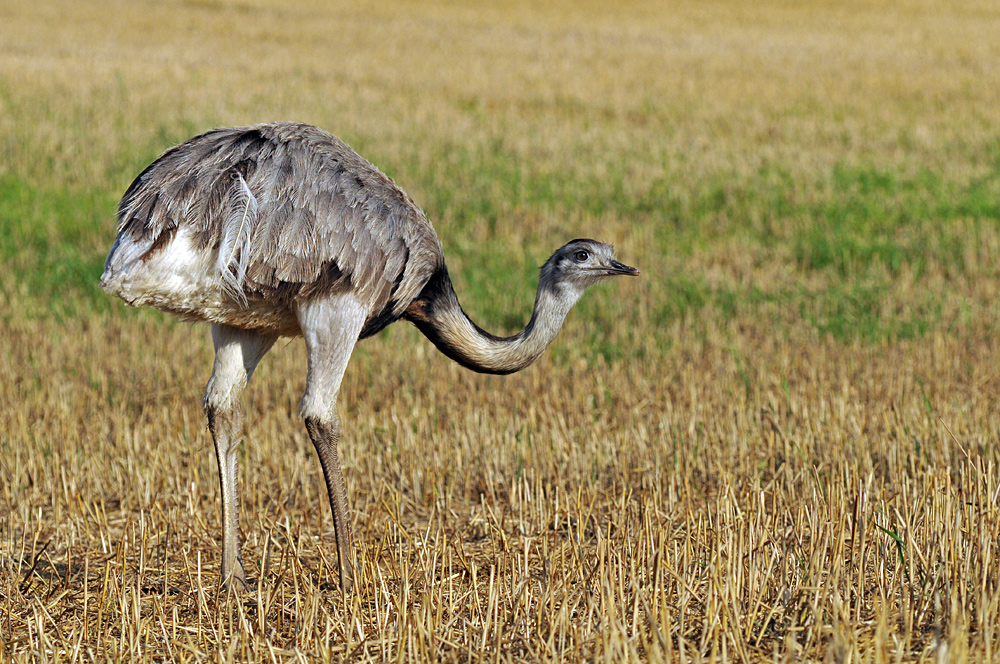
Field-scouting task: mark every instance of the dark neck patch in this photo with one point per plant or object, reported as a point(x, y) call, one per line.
point(427, 310)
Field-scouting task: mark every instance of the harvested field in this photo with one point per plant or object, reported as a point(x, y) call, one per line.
point(778, 444)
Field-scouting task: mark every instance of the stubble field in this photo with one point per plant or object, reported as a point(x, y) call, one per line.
point(778, 444)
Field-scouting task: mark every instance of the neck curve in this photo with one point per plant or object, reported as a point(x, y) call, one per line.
point(438, 314)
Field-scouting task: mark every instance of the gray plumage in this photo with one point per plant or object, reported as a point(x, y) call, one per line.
point(282, 229)
point(326, 221)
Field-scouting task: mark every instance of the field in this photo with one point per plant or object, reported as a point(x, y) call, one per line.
point(777, 444)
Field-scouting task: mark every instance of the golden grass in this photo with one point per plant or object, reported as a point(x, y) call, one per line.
point(622, 516)
point(728, 485)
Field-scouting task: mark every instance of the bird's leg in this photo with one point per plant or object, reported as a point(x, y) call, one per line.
point(331, 328)
point(325, 436)
point(237, 353)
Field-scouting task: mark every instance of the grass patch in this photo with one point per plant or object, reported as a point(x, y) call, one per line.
point(877, 218)
point(865, 313)
point(55, 244)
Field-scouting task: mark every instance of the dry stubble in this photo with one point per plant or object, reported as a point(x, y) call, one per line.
point(732, 486)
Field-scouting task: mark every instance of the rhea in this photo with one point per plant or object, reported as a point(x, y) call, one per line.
point(283, 230)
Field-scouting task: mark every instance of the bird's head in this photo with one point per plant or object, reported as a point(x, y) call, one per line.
point(582, 263)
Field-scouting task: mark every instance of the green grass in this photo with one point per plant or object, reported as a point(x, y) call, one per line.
point(53, 250)
point(851, 235)
point(880, 218)
point(860, 227)
point(866, 313)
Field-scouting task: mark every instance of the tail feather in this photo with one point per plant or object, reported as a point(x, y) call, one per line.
point(125, 253)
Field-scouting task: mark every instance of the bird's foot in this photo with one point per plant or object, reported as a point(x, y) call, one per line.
point(235, 581)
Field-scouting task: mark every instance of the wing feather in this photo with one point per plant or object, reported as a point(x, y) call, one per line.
point(236, 245)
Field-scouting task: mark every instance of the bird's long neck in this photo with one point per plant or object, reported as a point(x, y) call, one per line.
point(439, 316)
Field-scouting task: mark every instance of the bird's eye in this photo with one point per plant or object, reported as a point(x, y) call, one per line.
point(581, 256)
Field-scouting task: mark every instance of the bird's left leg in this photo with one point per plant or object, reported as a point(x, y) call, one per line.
point(237, 353)
point(331, 328)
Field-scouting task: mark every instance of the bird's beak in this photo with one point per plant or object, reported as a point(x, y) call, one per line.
point(620, 268)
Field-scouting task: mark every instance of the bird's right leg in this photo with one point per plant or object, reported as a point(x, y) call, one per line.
point(237, 353)
point(331, 328)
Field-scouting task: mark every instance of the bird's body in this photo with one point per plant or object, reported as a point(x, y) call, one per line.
point(304, 217)
point(283, 230)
